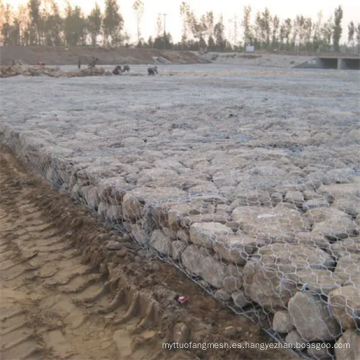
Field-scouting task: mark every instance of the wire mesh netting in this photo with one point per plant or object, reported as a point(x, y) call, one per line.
point(265, 218)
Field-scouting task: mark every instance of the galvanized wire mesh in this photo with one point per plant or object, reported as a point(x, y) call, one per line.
point(264, 218)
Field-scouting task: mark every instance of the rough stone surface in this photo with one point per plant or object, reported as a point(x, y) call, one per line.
point(206, 161)
point(311, 318)
point(233, 283)
point(177, 248)
point(319, 353)
point(281, 322)
point(183, 236)
point(114, 213)
point(92, 197)
point(345, 247)
point(339, 191)
point(236, 249)
point(271, 224)
point(205, 266)
point(314, 204)
point(317, 281)
point(222, 295)
point(348, 268)
point(345, 305)
point(346, 352)
point(293, 338)
point(349, 206)
point(336, 225)
point(161, 243)
point(294, 197)
point(268, 275)
point(205, 234)
point(240, 299)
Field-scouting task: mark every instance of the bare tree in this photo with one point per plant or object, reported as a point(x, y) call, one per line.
point(337, 30)
point(138, 7)
point(246, 24)
point(159, 26)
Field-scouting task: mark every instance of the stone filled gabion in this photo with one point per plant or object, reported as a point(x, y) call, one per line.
point(246, 229)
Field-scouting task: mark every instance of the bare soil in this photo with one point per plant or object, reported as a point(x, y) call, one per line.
point(61, 55)
point(64, 296)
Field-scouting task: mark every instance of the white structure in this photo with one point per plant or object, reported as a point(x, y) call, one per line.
point(250, 48)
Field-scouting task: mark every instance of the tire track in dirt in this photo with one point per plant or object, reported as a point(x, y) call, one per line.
point(51, 301)
point(64, 297)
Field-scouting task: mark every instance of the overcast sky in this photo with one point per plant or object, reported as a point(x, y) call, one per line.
point(228, 8)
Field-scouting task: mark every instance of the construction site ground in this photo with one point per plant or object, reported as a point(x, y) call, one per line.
point(64, 298)
point(61, 55)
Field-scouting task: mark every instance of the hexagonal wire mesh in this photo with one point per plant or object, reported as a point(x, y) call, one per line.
point(271, 234)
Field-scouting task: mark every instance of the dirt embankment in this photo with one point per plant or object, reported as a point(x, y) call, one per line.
point(64, 294)
point(69, 55)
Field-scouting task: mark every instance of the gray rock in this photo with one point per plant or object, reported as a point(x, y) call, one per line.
point(270, 224)
point(348, 268)
point(114, 213)
point(294, 340)
point(169, 233)
point(314, 204)
point(281, 322)
point(344, 303)
point(233, 283)
point(294, 197)
point(205, 234)
point(318, 352)
point(159, 178)
point(338, 191)
point(253, 198)
point(348, 346)
point(102, 209)
point(236, 248)
point(131, 207)
point(317, 281)
point(139, 234)
point(311, 318)
point(240, 299)
point(178, 248)
point(204, 266)
point(312, 195)
point(349, 206)
point(310, 239)
point(92, 197)
point(133, 201)
point(337, 225)
point(345, 247)
point(206, 251)
point(183, 235)
point(276, 198)
point(161, 243)
point(222, 295)
point(268, 275)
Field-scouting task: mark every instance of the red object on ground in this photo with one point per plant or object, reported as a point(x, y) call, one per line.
point(41, 63)
point(182, 300)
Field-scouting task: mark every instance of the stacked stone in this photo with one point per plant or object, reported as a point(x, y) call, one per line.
point(294, 250)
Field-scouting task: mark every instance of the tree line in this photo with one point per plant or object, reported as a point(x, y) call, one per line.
point(40, 22)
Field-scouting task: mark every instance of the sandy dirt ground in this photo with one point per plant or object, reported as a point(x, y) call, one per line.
point(256, 59)
point(63, 296)
point(69, 55)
